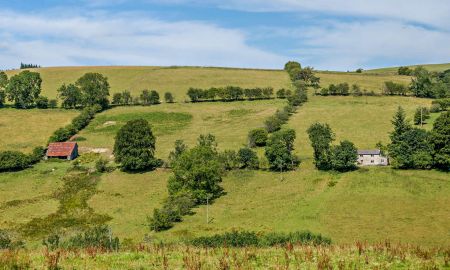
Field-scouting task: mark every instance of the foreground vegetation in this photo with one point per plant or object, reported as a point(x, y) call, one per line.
point(383, 255)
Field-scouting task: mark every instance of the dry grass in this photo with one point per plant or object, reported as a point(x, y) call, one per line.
point(23, 130)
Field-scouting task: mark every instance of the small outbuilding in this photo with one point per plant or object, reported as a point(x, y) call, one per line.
point(66, 150)
point(372, 158)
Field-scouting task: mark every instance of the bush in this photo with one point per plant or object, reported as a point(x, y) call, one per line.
point(5, 240)
point(248, 158)
point(38, 154)
point(160, 221)
point(101, 165)
point(53, 104)
point(435, 108)
point(97, 237)
point(13, 161)
point(168, 97)
point(257, 137)
point(61, 135)
point(248, 238)
point(42, 102)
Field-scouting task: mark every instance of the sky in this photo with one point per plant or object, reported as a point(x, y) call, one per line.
point(324, 34)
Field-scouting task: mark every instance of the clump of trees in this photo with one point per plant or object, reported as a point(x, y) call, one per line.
point(342, 157)
point(197, 173)
point(23, 89)
point(24, 66)
point(149, 97)
point(305, 75)
point(391, 88)
point(16, 161)
point(342, 89)
point(89, 90)
point(229, 93)
point(134, 147)
point(414, 148)
point(122, 98)
point(279, 150)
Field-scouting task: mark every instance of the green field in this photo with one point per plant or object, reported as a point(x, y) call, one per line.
point(178, 79)
point(369, 204)
point(393, 70)
point(23, 130)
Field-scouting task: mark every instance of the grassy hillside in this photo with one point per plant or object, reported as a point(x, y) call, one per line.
point(393, 70)
point(178, 79)
point(25, 129)
point(369, 204)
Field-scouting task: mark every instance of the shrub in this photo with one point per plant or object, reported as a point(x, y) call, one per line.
point(13, 161)
point(38, 154)
point(5, 240)
point(42, 102)
point(257, 137)
point(435, 108)
point(248, 158)
point(249, 238)
point(160, 221)
point(53, 104)
point(101, 165)
point(61, 135)
point(97, 237)
point(168, 97)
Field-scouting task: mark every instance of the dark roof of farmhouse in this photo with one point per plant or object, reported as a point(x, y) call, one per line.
point(369, 152)
point(61, 149)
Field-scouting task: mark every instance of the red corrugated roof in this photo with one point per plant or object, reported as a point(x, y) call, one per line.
point(61, 149)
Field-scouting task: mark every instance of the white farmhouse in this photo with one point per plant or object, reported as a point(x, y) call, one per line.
point(372, 158)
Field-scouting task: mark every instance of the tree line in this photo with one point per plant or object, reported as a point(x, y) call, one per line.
point(24, 66)
point(234, 93)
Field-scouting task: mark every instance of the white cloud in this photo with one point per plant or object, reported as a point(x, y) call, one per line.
point(124, 40)
point(346, 46)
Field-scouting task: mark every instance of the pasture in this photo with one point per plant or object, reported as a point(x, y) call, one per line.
point(22, 130)
point(369, 204)
point(178, 79)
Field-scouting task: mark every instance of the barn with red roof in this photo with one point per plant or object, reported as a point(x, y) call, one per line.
point(67, 150)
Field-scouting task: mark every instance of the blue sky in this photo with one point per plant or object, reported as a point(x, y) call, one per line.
point(325, 34)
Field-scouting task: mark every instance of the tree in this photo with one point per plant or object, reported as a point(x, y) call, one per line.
point(198, 171)
point(3, 84)
point(356, 90)
point(404, 71)
point(321, 137)
point(273, 124)
point(127, 98)
point(412, 150)
point(344, 156)
point(440, 138)
point(279, 150)
point(229, 160)
point(168, 97)
point(257, 137)
point(70, 96)
point(421, 115)
point(400, 124)
point(117, 99)
point(134, 146)
point(421, 83)
point(281, 93)
point(194, 94)
point(145, 97)
point(291, 65)
point(179, 148)
point(24, 88)
point(154, 98)
point(248, 158)
point(94, 88)
point(359, 70)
